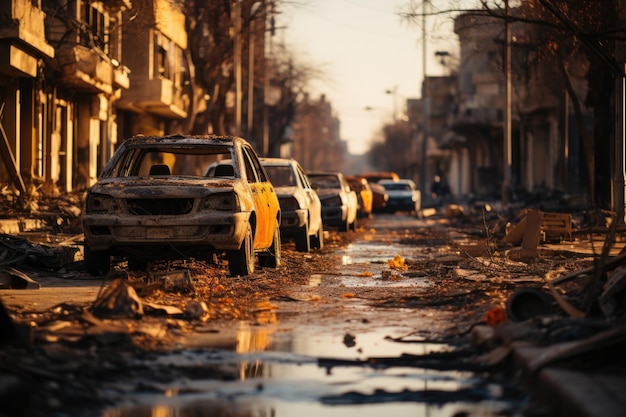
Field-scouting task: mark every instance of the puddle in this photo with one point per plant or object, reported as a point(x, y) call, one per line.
point(251, 406)
point(372, 253)
point(273, 373)
point(366, 265)
point(336, 362)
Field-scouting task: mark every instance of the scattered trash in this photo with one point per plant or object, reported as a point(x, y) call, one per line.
point(18, 251)
point(391, 275)
point(118, 300)
point(397, 263)
point(527, 233)
point(528, 303)
point(197, 310)
point(349, 340)
point(11, 278)
point(495, 316)
point(178, 280)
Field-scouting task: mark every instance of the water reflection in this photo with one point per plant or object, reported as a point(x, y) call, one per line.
point(282, 374)
point(274, 367)
point(315, 280)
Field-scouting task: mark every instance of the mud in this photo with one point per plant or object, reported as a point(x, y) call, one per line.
point(376, 322)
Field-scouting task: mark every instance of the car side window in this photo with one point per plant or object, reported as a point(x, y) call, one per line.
point(254, 170)
point(303, 178)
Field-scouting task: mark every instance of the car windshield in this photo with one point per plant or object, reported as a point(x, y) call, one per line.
point(154, 161)
point(325, 181)
point(280, 175)
point(397, 187)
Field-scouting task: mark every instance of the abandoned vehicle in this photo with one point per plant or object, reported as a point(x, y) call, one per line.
point(153, 201)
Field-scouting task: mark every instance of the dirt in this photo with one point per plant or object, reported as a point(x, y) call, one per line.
point(58, 356)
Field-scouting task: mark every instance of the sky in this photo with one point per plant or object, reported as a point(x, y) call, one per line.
point(370, 60)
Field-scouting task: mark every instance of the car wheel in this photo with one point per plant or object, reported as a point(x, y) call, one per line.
point(136, 264)
point(353, 225)
point(97, 262)
point(345, 226)
point(241, 261)
point(271, 258)
point(302, 238)
point(317, 241)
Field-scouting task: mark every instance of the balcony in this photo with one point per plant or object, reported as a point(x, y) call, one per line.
point(84, 69)
point(475, 116)
point(22, 38)
point(25, 26)
point(121, 77)
point(157, 96)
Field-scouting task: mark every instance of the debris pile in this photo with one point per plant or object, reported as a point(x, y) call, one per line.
point(60, 213)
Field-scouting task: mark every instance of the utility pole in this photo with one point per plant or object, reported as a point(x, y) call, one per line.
point(252, 36)
point(425, 109)
point(237, 63)
point(508, 154)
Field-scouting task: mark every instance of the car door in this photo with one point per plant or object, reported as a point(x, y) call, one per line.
point(354, 203)
point(315, 206)
point(265, 200)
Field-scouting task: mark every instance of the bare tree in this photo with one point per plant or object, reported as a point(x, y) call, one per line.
point(562, 32)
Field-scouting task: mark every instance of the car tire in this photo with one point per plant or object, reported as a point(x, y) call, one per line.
point(241, 261)
point(136, 264)
point(317, 240)
point(345, 226)
point(271, 258)
point(302, 238)
point(353, 225)
point(97, 262)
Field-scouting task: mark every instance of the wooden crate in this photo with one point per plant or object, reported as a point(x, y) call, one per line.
point(557, 224)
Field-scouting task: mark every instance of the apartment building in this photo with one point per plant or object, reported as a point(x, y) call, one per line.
point(77, 74)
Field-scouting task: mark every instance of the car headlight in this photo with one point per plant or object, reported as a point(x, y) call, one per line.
point(220, 201)
point(333, 201)
point(289, 204)
point(101, 203)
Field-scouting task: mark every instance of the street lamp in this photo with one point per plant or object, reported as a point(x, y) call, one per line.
point(394, 92)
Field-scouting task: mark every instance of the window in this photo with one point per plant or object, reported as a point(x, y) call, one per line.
point(95, 30)
point(162, 56)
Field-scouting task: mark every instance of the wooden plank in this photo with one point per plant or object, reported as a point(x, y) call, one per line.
point(532, 234)
point(9, 159)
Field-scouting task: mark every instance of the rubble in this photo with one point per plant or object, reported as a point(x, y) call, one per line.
point(564, 300)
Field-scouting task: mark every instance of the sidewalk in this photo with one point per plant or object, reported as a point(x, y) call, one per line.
point(561, 377)
point(570, 392)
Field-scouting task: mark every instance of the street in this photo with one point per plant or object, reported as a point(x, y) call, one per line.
point(326, 341)
point(379, 321)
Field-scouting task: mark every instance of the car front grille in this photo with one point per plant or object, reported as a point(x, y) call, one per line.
point(159, 206)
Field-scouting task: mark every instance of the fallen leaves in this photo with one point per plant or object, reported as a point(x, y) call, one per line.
point(397, 263)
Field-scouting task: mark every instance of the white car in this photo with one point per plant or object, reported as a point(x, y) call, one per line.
point(403, 195)
point(339, 201)
point(300, 206)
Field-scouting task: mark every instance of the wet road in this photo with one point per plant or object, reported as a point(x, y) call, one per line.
point(313, 352)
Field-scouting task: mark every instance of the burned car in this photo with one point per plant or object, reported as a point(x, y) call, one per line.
point(153, 201)
point(339, 201)
point(300, 205)
point(364, 195)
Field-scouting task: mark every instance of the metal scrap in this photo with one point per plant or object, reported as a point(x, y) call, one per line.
point(18, 251)
point(118, 300)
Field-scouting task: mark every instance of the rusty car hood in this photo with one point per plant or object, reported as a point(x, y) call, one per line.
point(172, 186)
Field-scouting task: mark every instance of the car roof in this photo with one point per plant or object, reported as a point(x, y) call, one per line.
point(401, 180)
point(277, 161)
point(141, 140)
point(324, 173)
